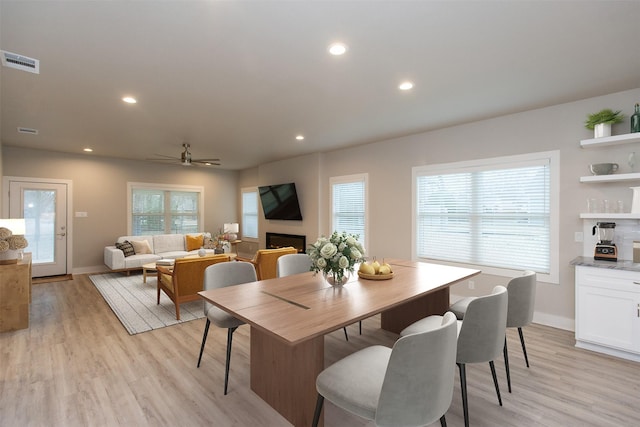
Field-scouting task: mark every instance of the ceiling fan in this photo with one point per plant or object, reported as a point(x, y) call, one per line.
point(185, 158)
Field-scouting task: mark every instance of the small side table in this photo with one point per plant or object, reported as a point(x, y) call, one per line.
point(149, 267)
point(234, 245)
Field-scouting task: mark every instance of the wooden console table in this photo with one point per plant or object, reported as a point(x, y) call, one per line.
point(15, 294)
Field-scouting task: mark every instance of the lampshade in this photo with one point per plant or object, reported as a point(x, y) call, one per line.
point(233, 227)
point(16, 225)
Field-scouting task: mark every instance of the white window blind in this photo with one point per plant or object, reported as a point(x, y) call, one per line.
point(348, 205)
point(493, 215)
point(249, 213)
point(163, 210)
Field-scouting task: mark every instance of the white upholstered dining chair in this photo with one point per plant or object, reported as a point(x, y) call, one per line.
point(522, 297)
point(220, 276)
point(480, 336)
point(410, 384)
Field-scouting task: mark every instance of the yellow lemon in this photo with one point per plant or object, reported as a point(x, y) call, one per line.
point(367, 269)
point(376, 266)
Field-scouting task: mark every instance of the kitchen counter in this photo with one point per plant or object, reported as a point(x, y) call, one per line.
point(618, 265)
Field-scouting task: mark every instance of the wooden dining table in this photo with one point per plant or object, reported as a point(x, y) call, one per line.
point(289, 317)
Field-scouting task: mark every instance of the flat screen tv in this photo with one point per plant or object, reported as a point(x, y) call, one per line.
point(280, 202)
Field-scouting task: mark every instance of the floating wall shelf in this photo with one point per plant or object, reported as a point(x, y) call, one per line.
point(611, 178)
point(604, 215)
point(610, 140)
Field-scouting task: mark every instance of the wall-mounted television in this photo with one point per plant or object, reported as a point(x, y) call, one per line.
point(280, 202)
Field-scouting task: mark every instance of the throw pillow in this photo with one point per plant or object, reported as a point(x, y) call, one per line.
point(126, 247)
point(193, 242)
point(209, 243)
point(141, 246)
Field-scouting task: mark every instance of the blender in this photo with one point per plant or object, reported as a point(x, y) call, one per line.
point(605, 248)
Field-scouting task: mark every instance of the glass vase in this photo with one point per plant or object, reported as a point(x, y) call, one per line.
point(335, 278)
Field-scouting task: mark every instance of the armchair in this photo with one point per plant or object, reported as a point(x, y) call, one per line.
point(265, 261)
point(183, 282)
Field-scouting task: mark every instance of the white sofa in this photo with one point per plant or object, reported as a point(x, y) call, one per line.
point(162, 246)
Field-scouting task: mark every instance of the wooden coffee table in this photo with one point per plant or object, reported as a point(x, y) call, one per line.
point(151, 266)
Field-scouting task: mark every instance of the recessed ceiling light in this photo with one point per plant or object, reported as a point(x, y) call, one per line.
point(337, 49)
point(88, 150)
point(405, 86)
point(129, 100)
point(299, 137)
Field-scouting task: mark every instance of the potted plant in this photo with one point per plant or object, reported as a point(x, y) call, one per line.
point(601, 121)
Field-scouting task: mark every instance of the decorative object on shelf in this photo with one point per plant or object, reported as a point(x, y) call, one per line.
point(635, 119)
point(202, 252)
point(12, 240)
point(635, 204)
point(632, 161)
point(335, 256)
point(601, 121)
point(603, 168)
point(231, 231)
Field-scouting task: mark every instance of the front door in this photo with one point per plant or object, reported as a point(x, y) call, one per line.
point(43, 205)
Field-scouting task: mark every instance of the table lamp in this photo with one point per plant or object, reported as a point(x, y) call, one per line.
point(231, 231)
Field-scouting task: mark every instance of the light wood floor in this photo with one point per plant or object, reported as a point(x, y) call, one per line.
point(77, 366)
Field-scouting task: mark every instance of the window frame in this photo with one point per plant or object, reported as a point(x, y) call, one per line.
point(243, 191)
point(553, 158)
point(131, 186)
point(347, 179)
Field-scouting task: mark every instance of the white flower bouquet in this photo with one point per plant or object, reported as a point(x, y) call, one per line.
point(335, 255)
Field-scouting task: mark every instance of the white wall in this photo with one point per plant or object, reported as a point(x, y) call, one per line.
point(389, 165)
point(100, 188)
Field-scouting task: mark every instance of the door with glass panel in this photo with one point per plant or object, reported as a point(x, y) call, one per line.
point(43, 205)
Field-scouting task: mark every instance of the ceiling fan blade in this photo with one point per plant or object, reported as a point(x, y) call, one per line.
point(167, 157)
point(205, 160)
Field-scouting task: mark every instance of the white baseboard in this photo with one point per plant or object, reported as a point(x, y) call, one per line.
point(568, 324)
point(91, 270)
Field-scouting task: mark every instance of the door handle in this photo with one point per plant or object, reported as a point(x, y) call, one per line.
point(61, 234)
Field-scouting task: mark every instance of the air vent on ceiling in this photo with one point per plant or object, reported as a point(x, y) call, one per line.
point(28, 130)
point(20, 62)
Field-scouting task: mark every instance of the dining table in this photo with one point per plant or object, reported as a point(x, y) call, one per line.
point(289, 317)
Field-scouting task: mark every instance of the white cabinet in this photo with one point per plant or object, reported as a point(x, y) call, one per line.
point(608, 311)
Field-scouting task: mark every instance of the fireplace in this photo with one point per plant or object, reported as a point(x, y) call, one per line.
point(279, 240)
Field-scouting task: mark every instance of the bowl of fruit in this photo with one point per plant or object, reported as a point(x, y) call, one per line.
point(375, 271)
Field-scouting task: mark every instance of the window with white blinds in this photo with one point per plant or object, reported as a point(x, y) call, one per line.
point(496, 213)
point(155, 209)
point(349, 205)
point(249, 213)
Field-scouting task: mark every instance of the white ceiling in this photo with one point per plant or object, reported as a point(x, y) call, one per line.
point(239, 80)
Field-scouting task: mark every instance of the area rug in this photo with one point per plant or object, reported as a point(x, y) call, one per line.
point(134, 302)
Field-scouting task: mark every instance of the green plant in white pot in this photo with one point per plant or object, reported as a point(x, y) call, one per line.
point(601, 121)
